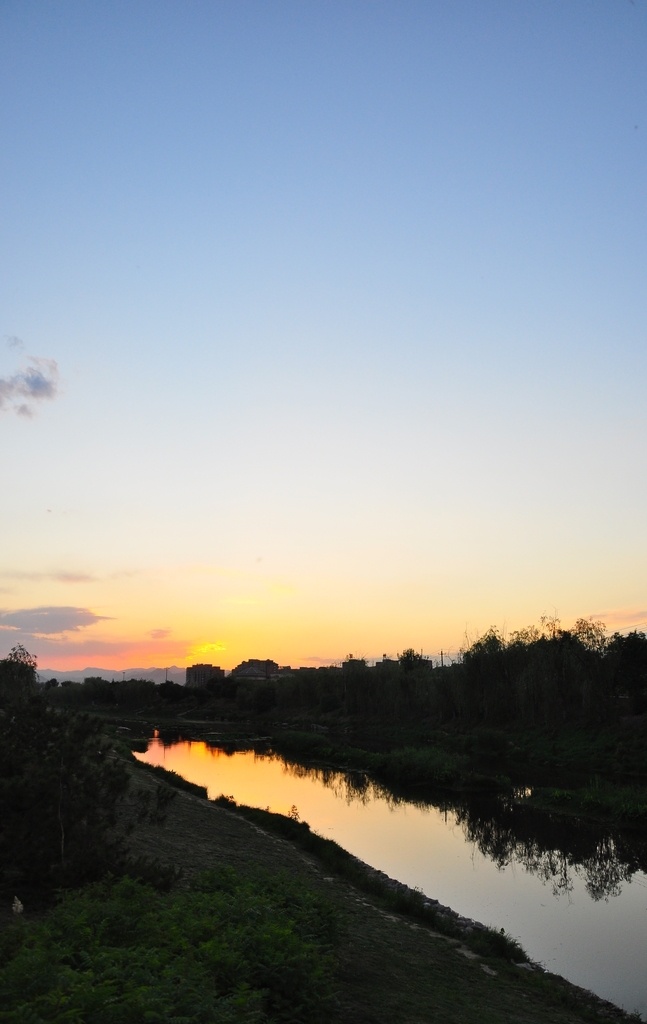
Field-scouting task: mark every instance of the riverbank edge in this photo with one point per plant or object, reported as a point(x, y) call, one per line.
point(411, 767)
point(411, 903)
point(593, 774)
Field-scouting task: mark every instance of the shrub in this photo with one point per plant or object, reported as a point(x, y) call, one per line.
point(231, 949)
point(66, 798)
point(173, 779)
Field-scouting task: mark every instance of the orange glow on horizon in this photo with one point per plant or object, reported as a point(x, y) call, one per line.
point(320, 641)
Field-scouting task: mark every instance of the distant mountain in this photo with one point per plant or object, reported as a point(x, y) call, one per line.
point(158, 675)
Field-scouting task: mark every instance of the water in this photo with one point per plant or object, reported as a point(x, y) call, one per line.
point(575, 896)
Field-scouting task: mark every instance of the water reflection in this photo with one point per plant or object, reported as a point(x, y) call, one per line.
point(505, 829)
point(508, 831)
point(553, 847)
point(573, 894)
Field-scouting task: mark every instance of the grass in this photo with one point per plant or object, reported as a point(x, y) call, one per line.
point(172, 778)
point(393, 964)
point(407, 901)
point(444, 768)
point(429, 765)
point(599, 800)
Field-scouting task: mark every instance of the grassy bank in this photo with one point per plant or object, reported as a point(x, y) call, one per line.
point(581, 768)
point(394, 962)
point(597, 774)
point(428, 765)
point(285, 926)
point(599, 800)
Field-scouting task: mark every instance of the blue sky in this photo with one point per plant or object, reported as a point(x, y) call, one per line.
point(322, 325)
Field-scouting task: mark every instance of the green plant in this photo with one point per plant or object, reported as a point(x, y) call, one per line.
point(230, 949)
point(67, 798)
point(173, 779)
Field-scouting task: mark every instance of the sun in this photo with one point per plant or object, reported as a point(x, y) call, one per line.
point(200, 651)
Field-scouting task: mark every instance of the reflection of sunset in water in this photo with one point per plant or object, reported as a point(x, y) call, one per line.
point(427, 848)
point(266, 782)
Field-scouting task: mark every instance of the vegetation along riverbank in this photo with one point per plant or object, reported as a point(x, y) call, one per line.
point(175, 907)
point(559, 713)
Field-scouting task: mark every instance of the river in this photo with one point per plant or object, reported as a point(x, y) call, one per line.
point(574, 895)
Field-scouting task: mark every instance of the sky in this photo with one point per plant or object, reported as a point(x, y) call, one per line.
point(323, 325)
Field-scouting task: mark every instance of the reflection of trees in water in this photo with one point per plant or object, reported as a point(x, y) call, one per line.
point(507, 831)
point(350, 785)
point(555, 848)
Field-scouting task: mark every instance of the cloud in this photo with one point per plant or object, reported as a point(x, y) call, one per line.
point(48, 621)
point(159, 634)
point(622, 618)
point(72, 577)
point(78, 652)
point(34, 383)
point(62, 576)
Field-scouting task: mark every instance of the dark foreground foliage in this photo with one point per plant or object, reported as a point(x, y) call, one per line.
point(230, 950)
point(67, 801)
point(66, 798)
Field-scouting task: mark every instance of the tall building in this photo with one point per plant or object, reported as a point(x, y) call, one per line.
point(200, 675)
point(254, 668)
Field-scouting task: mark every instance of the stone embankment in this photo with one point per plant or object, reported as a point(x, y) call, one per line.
point(435, 908)
point(463, 926)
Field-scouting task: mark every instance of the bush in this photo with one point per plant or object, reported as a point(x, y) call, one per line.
point(231, 949)
point(66, 799)
point(59, 789)
point(174, 779)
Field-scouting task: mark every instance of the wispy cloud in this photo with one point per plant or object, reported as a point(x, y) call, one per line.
point(159, 634)
point(30, 384)
point(622, 618)
point(62, 576)
point(48, 621)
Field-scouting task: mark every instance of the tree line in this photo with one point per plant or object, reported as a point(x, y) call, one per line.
point(544, 675)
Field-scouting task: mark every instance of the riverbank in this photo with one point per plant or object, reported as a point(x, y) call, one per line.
point(572, 774)
point(393, 965)
point(594, 770)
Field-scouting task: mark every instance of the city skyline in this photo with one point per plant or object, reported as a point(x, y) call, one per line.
point(322, 326)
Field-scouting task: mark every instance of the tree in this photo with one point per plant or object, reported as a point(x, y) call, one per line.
point(65, 796)
point(626, 658)
point(592, 635)
point(18, 676)
point(60, 789)
point(410, 659)
point(490, 696)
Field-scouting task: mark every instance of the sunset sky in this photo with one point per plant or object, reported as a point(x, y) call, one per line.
point(323, 325)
